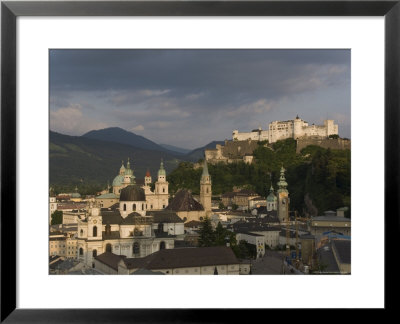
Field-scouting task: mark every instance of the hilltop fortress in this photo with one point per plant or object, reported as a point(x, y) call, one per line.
point(242, 145)
point(279, 130)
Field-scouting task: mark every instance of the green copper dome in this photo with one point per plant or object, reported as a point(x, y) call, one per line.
point(271, 197)
point(117, 182)
point(161, 172)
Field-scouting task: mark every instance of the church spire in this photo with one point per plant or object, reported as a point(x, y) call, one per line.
point(282, 184)
point(205, 170)
point(161, 171)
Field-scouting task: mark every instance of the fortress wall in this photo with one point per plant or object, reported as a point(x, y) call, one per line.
point(332, 143)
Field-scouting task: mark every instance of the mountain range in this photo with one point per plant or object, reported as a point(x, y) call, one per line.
point(96, 156)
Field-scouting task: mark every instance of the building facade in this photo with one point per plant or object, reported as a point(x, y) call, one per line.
point(279, 130)
point(129, 230)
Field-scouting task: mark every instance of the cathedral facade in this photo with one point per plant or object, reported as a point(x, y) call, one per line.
point(155, 200)
point(128, 230)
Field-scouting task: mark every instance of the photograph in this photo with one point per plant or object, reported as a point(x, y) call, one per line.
point(199, 162)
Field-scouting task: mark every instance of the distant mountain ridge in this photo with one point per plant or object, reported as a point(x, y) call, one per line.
point(122, 136)
point(73, 158)
point(175, 148)
point(96, 156)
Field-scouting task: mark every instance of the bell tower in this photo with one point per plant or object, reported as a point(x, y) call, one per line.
point(161, 188)
point(205, 189)
point(283, 198)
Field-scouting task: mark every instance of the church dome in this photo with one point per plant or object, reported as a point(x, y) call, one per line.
point(271, 197)
point(132, 193)
point(117, 182)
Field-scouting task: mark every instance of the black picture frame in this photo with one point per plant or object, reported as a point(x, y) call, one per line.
point(10, 10)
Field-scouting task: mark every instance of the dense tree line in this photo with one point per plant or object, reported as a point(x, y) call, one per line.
point(223, 237)
point(318, 179)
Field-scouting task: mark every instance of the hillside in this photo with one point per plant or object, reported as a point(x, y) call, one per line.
point(119, 135)
point(175, 149)
point(76, 158)
point(318, 179)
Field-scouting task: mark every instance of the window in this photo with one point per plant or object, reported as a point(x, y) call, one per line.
point(134, 207)
point(94, 253)
point(94, 231)
point(163, 189)
point(142, 206)
point(124, 207)
point(108, 247)
point(81, 232)
point(162, 245)
point(136, 248)
point(80, 251)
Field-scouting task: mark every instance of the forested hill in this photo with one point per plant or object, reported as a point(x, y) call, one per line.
point(318, 179)
point(89, 163)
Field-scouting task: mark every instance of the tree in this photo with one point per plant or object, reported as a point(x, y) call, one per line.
point(56, 217)
point(220, 235)
point(221, 206)
point(207, 236)
point(234, 207)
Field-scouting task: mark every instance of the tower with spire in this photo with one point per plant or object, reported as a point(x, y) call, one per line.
point(271, 200)
point(283, 198)
point(205, 189)
point(161, 188)
point(147, 178)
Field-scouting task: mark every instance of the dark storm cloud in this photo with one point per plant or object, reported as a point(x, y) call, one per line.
point(151, 90)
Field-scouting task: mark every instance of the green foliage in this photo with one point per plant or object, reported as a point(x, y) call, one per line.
point(235, 207)
point(245, 250)
point(322, 174)
point(56, 217)
point(207, 235)
point(335, 136)
point(220, 237)
point(221, 206)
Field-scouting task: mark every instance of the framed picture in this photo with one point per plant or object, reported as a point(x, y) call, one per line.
point(34, 33)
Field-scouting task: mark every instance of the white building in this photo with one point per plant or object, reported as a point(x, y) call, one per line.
point(279, 130)
point(129, 230)
point(155, 200)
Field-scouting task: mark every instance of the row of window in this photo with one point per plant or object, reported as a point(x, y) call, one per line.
point(135, 248)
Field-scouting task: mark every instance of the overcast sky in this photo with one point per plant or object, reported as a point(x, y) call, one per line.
point(189, 98)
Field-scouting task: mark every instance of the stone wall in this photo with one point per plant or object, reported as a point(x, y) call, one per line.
point(232, 151)
point(332, 143)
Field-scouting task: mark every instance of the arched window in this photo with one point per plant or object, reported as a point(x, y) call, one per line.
point(124, 207)
point(142, 206)
point(108, 247)
point(162, 245)
point(163, 189)
point(94, 231)
point(81, 232)
point(134, 207)
point(94, 253)
point(136, 248)
point(80, 251)
point(160, 227)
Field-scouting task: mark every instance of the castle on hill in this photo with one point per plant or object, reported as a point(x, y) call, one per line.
point(279, 130)
point(242, 145)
